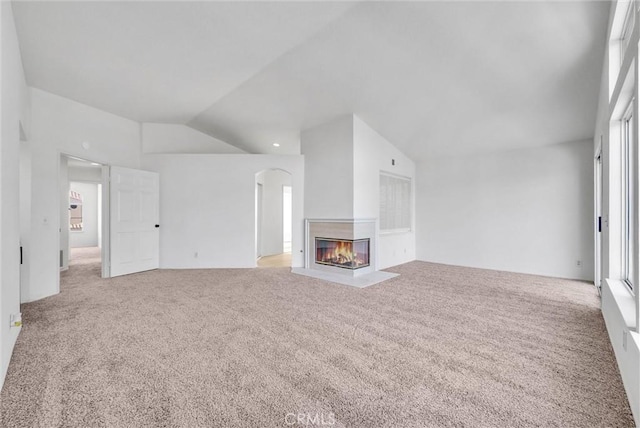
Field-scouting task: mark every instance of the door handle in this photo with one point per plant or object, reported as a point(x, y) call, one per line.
point(157, 225)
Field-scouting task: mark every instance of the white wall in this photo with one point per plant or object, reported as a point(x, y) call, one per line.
point(343, 161)
point(85, 174)
point(527, 210)
point(207, 206)
point(272, 210)
point(175, 138)
point(328, 175)
point(59, 125)
point(618, 310)
point(373, 154)
point(88, 236)
point(14, 112)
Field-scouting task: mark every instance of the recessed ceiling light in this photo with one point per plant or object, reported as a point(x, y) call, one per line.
point(95, 164)
point(276, 144)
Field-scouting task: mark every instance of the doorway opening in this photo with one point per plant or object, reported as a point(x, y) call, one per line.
point(287, 226)
point(273, 218)
point(81, 220)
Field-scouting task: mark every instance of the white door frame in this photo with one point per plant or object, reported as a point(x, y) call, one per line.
point(258, 191)
point(104, 252)
point(597, 176)
point(287, 227)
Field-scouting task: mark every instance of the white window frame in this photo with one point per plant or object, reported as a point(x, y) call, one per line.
point(629, 164)
point(627, 29)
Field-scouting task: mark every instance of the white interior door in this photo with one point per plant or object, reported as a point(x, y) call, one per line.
point(134, 199)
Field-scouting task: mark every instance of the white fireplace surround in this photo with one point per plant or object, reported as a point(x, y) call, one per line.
point(350, 229)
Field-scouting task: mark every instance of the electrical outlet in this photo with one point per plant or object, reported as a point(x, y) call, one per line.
point(195, 255)
point(579, 263)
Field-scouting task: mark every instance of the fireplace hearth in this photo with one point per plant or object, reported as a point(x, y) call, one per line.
point(342, 253)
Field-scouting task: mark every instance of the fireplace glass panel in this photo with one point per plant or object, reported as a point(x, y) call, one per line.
point(342, 253)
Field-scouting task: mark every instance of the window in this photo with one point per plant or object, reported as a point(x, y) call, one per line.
point(395, 203)
point(621, 32)
point(75, 211)
point(629, 262)
point(627, 29)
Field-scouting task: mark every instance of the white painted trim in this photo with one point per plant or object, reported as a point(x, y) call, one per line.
point(598, 184)
point(105, 250)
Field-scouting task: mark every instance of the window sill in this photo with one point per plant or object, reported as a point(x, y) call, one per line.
point(625, 300)
point(395, 232)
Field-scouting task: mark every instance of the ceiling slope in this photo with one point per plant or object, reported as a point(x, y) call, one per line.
point(434, 78)
point(157, 61)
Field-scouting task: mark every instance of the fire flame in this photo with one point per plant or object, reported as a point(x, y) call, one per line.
point(341, 253)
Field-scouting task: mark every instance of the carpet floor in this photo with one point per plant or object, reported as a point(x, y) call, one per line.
point(437, 346)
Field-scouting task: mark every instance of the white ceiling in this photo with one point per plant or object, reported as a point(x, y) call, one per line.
point(435, 78)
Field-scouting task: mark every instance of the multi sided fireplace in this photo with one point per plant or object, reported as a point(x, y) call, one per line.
point(344, 247)
point(343, 253)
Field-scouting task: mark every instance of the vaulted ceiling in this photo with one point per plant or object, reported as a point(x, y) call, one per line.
point(435, 78)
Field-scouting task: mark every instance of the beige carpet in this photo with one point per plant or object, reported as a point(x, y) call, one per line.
point(84, 255)
point(436, 346)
